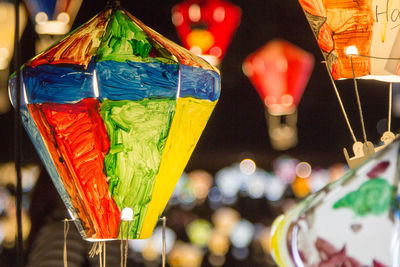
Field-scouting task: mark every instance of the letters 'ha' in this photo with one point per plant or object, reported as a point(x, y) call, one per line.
point(115, 111)
point(351, 222)
point(370, 28)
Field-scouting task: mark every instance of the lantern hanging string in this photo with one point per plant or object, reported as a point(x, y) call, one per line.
point(124, 244)
point(66, 229)
point(390, 107)
point(340, 103)
point(164, 241)
point(18, 139)
point(358, 100)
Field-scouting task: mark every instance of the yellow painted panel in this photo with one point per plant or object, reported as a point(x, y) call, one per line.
point(191, 116)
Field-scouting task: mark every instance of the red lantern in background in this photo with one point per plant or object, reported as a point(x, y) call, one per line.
point(206, 27)
point(280, 71)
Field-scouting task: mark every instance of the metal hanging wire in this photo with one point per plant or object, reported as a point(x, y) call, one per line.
point(340, 102)
point(358, 100)
point(390, 107)
point(18, 139)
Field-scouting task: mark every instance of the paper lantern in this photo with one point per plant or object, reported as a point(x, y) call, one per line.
point(359, 39)
point(206, 27)
point(53, 16)
point(351, 222)
point(367, 30)
point(115, 111)
point(279, 72)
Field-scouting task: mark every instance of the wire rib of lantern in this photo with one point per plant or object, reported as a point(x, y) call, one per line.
point(375, 57)
point(126, 244)
point(18, 139)
point(164, 241)
point(390, 107)
point(340, 102)
point(358, 100)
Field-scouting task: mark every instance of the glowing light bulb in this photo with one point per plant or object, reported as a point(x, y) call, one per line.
point(127, 214)
point(351, 51)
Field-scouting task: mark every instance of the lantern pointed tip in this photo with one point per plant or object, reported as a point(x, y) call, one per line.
point(113, 4)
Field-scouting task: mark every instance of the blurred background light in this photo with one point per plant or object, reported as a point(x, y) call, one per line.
point(225, 220)
point(240, 253)
point(247, 166)
point(199, 232)
point(285, 168)
point(274, 188)
point(242, 234)
point(303, 170)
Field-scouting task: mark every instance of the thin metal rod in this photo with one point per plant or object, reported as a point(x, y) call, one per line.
point(126, 245)
point(358, 100)
point(18, 139)
point(390, 107)
point(122, 243)
point(66, 229)
point(340, 103)
point(164, 241)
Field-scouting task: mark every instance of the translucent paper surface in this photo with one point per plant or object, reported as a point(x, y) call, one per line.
point(351, 222)
point(115, 111)
point(371, 27)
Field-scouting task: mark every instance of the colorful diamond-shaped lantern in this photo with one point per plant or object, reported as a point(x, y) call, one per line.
point(367, 30)
point(115, 111)
point(206, 27)
point(279, 72)
point(351, 222)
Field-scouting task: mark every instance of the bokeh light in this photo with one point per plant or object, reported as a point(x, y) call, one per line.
point(242, 234)
point(199, 232)
point(247, 166)
point(303, 170)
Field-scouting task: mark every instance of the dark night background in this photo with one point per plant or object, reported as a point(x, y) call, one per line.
point(237, 128)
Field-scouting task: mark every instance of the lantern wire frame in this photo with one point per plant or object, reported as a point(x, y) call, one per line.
point(18, 140)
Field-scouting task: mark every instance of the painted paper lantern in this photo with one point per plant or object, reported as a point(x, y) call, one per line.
point(367, 30)
point(53, 16)
point(351, 222)
point(279, 71)
point(206, 27)
point(115, 111)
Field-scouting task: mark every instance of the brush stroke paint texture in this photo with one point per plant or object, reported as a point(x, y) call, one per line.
point(138, 132)
point(373, 197)
point(119, 119)
point(72, 137)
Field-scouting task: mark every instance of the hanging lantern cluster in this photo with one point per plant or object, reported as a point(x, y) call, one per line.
point(206, 27)
point(115, 111)
point(280, 71)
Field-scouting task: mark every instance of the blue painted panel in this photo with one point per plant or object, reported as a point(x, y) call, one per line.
point(57, 83)
point(136, 80)
point(199, 83)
